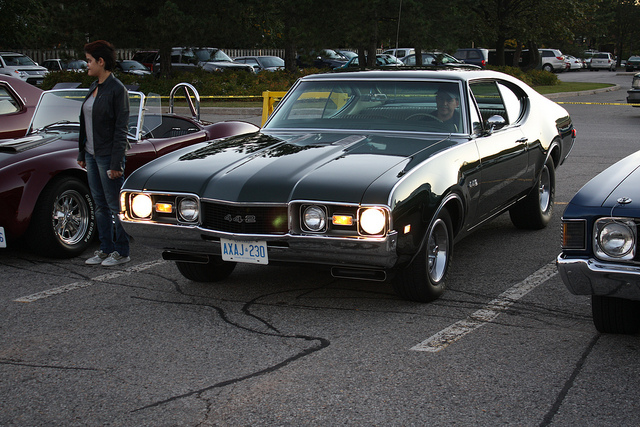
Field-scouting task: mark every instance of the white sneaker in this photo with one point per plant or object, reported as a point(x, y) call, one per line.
point(97, 258)
point(115, 259)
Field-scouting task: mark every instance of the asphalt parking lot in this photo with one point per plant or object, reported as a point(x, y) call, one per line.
point(282, 345)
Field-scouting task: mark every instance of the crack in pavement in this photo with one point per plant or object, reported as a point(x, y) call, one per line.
point(321, 344)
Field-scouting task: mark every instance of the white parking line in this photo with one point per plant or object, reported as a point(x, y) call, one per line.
point(84, 284)
point(487, 314)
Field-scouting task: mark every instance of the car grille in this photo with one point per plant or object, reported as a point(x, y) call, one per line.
point(245, 219)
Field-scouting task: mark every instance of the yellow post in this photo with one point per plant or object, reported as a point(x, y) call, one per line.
point(268, 99)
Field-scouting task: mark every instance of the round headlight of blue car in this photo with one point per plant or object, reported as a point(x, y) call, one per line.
point(615, 238)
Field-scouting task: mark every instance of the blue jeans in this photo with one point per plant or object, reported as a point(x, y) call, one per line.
point(106, 195)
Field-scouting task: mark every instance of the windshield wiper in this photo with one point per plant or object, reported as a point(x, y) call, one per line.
point(60, 122)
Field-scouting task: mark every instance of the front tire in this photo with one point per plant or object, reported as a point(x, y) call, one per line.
point(534, 211)
point(213, 271)
point(615, 315)
point(424, 280)
point(63, 221)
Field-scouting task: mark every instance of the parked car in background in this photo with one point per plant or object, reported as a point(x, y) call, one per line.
point(130, 66)
point(326, 58)
point(382, 60)
point(575, 64)
point(354, 170)
point(600, 253)
point(633, 94)
point(21, 66)
point(46, 201)
point(633, 63)
point(552, 60)
point(347, 53)
point(213, 59)
point(262, 63)
point(57, 64)
point(476, 56)
point(400, 52)
point(603, 61)
point(437, 59)
point(18, 100)
point(148, 58)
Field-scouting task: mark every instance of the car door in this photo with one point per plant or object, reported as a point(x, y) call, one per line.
point(503, 151)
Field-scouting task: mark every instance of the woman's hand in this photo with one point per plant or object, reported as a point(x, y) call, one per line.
point(114, 174)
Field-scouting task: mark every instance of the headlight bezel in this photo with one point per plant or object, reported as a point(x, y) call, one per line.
point(608, 230)
point(165, 207)
point(376, 225)
point(182, 211)
point(320, 214)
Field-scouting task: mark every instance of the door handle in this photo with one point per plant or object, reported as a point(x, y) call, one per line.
point(522, 140)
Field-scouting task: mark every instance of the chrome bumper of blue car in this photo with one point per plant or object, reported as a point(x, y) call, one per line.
point(593, 277)
point(354, 252)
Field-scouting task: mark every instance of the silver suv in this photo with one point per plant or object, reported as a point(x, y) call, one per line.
point(18, 65)
point(552, 60)
point(603, 61)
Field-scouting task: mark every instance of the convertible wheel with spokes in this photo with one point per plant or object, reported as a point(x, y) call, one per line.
point(63, 221)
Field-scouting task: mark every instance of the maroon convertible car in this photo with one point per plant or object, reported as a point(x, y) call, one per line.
point(45, 199)
point(18, 101)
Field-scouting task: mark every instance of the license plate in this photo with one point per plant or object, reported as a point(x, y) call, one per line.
point(3, 239)
point(240, 251)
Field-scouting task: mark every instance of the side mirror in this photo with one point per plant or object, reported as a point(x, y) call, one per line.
point(495, 122)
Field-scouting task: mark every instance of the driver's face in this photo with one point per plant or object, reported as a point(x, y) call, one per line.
point(446, 106)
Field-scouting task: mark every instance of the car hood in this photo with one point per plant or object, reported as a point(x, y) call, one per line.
point(617, 182)
point(15, 150)
point(259, 167)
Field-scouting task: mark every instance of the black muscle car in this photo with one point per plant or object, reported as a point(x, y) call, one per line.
point(374, 173)
point(600, 254)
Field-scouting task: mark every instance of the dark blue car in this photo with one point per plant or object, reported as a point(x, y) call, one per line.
point(600, 246)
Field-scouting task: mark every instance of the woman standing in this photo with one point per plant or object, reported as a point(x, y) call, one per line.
point(103, 144)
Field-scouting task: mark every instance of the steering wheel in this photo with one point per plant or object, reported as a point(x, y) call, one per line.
point(424, 116)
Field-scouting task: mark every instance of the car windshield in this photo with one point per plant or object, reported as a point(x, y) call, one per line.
point(367, 105)
point(62, 106)
point(133, 65)
point(211, 54)
point(17, 60)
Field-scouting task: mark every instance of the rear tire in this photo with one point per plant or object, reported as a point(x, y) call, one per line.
point(615, 315)
point(213, 271)
point(424, 280)
point(534, 211)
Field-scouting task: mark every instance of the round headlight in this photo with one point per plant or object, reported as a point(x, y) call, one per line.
point(141, 206)
point(188, 209)
point(616, 239)
point(372, 221)
point(314, 218)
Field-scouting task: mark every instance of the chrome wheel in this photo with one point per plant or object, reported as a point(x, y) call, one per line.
point(544, 189)
point(70, 217)
point(438, 251)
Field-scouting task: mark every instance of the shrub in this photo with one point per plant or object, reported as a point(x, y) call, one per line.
point(227, 83)
point(530, 77)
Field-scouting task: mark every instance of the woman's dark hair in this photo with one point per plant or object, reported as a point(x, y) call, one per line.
point(102, 49)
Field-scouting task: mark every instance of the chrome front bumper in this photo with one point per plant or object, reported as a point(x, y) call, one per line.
point(354, 252)
point(633, 96)
point(594, 277)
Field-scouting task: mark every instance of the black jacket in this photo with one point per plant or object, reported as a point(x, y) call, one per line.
point(110, 122)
